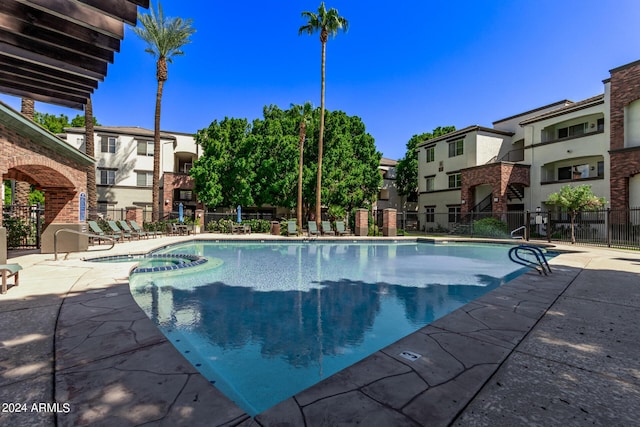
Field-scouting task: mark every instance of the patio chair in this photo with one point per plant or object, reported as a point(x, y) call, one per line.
point(121, 234)
point(340, 229)
point(313, 229)
point(9, 270)
point(125, 227)
point(95, 229)
point(326, 228)
point(292, 228)
point(141, 231)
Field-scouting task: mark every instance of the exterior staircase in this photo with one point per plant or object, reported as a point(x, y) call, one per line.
point(515, 191)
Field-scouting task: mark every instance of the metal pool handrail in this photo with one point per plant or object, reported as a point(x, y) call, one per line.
point(81, 233)
point(541, 267)
point(523, 227)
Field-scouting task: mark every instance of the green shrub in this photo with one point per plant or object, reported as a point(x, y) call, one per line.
point(336, 213)
point(18, 230)
point(259, 225)
point(490, 227)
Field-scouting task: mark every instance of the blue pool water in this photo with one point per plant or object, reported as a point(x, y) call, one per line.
point(265, 321)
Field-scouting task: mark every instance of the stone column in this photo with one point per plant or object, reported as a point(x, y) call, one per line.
point(199, 221)
point(389, 222)
point(362, 222)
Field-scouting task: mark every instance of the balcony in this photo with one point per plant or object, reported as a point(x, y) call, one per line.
point(573, 170)
point(571, 129)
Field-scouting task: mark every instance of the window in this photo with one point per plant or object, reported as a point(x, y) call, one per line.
point(187, 167)
point(600, 125)
point(574, 130)
point(573, 172)
point(384, 194)
point(454, 213)
point(430, 212)
point(145, 148)
point(186, 194)
point(456, 148)
point(430, 183)
point(144, 179)
point(601, 169)
point(103, 208)
point(431, 154)
point(455, 180)
point(108, 144)
point(107, 177)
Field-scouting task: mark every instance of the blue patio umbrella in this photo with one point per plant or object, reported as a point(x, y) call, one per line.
point(239, 214)
point(180, 213)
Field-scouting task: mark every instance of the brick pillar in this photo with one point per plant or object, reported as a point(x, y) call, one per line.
point(362, 222)
point(134, 213)
point(62, 210)
point(389, 222)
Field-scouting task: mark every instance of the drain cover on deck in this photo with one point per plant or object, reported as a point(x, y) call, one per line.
point(410, 355)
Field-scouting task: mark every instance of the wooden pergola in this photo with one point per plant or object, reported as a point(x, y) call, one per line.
point(56, 51)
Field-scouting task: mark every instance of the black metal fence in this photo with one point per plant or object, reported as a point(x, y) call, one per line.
point(605, 227)
point(24, 225)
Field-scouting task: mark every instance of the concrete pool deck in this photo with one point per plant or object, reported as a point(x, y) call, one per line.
point(563, 349)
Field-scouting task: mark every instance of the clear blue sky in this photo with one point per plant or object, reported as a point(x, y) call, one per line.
point(404, 67)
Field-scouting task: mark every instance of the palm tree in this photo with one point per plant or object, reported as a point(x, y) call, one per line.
point(89, 148)
point(304, 112)
point(328, 22)
point(165, 38)
point(20, 196)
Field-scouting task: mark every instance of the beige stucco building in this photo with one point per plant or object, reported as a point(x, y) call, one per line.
point(516, 164)
point(124, 168)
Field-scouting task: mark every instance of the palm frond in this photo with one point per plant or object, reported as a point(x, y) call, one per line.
point(164, 36)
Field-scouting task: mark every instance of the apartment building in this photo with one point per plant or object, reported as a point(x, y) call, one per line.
point(522, 159)
point(124, 167)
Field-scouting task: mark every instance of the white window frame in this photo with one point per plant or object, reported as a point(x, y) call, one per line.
point(110, 146)
point(431, 154)
point(455, 180)
point(430, 214)
point(430, 180)
point(107, 177)
point(148, 179)
point(454, 213)
point(456, 148)
point(149, 148)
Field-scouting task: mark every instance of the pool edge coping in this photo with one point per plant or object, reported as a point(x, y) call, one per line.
point(269, 414)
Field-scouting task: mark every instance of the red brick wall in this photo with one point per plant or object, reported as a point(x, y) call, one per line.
point(498, 176)
point(62, 179)
point(625, 162)
point(172, 181)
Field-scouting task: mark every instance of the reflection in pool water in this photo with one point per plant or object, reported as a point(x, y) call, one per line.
point(271, 320)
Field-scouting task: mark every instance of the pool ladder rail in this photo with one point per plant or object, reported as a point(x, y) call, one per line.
point(541, 265)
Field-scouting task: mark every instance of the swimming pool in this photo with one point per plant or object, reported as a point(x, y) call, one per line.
point(265, 321)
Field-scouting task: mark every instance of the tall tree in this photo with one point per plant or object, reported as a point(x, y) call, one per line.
point(407, 168)
point(54, 124)
point(165, 38)
point(327, 22)
point(79, 121)
point(304, 112)
point(257, 163)
point(575, 199)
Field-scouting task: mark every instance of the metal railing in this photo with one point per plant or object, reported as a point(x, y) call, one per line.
point(81, 233)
